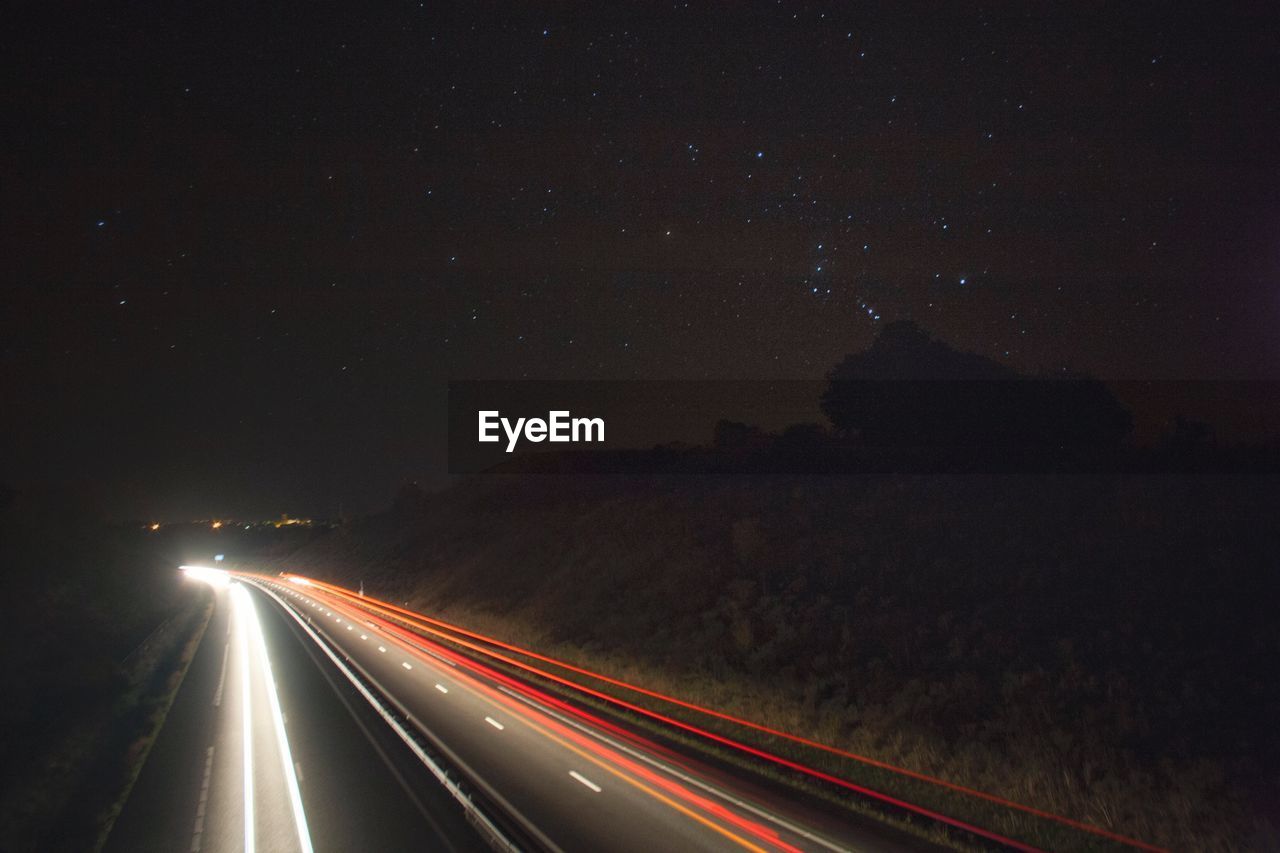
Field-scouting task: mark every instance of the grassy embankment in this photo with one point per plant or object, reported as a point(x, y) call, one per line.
point(1096, 647)
point(96, 638)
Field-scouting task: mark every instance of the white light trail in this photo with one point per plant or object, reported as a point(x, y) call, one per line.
point(286, 757)
point(213, 577)
point(250, 625)
point(242, 643)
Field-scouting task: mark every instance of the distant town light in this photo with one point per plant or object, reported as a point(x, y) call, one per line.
point(217, 524)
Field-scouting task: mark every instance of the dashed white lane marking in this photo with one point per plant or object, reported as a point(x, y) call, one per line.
point(442, 688)
point(197, 833)
point(364, 636)
point(382, 648)
point(222, 679)
point(684, 777)
point(405, 664)
point(349, 628)
point(497, 725)
point(584, 780)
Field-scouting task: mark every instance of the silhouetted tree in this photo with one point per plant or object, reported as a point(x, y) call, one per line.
point(1185, 435)
point(735, 435)
point(803, 437)
point(908, 389)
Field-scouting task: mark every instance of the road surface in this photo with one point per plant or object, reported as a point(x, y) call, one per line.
point(362, 738)
point(359, 787)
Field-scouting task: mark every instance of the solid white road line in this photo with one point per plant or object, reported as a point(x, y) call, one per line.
point(490, 830)
point(497, 725)
point(584, 780)
point(282, 739)
point(242, 640)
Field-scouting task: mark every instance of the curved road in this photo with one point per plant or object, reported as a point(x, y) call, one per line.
point(378, 727)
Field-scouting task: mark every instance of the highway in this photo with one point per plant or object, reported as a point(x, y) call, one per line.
point(358, 788)
point(305, 723)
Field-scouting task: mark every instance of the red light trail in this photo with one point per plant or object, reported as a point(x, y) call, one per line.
point(452, 633)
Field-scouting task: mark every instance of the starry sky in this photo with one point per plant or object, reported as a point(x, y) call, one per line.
point(246, 244)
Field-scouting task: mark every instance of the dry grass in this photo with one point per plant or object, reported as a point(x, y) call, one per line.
point(1095, 647)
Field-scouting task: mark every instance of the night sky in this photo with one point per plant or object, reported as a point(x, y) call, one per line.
point(245, 244)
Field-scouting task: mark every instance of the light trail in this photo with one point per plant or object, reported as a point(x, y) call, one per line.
point(640, 778)
point(250, 638)
point(415, 639)
point(282, 738)
point(426, 623)
point(246, 718)
point(488, 828)
point(214, 577)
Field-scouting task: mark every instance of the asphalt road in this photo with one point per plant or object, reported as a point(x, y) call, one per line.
point(302, 724)
point(569, 782)
point(359, 787)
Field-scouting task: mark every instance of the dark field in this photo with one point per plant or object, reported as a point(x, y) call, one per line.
point(1102, 647)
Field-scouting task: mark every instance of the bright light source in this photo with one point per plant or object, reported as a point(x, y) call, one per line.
point(246, 719)
point(155, 527)
point(299, 581)
point(216, 525)
point(218, 558)
point(247, 609)
point(213, 577)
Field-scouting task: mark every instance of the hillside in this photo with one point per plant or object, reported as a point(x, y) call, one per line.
point(1100, 646)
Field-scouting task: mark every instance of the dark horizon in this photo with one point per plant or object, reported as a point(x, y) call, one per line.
point(246, 248)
